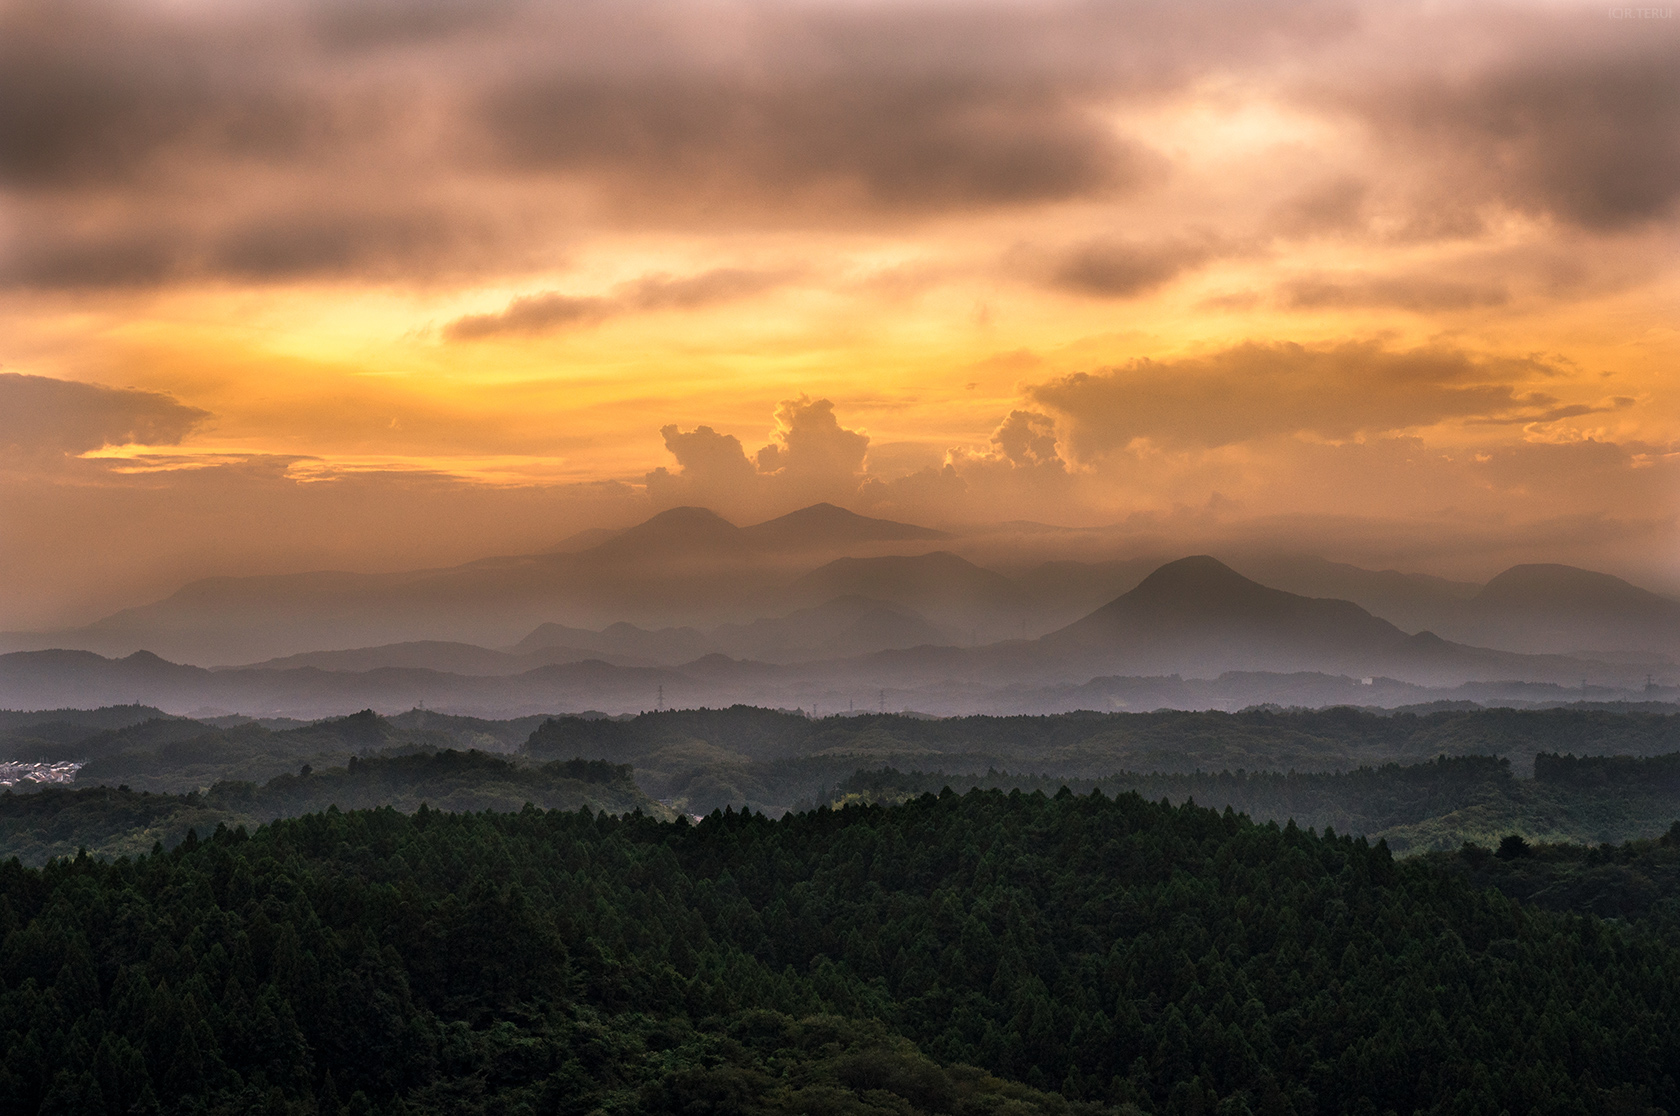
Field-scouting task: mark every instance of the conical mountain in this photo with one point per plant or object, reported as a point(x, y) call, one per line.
point(675, 534)
point(1555, 608)
point(1556, 587)
point(1198, 615)
point(827, 527)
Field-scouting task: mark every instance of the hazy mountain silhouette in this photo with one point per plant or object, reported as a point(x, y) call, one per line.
point(824, 526)
point(443, 655)
point(1199, 616)
point(975, 603)
point(1199, 609)
point(1194, 631)
point(844, 627)
point(687, 534)
point(618, 642)
point(1061, 591)
point(1410, 601)
point(1553, 608)
point(682, 565)
point(687, 584)
point(583, 540)
point(934, 680)
point(839, 628)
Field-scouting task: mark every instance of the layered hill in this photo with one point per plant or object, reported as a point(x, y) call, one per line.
point(1546, 607)
point(1198, 616)
point(682, 565)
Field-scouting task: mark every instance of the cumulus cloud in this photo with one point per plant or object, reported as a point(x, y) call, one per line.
point(1257, 391)
point(39, 414)
point(542, 313)
point(811, 446)
point(1027, 438)
point(712, 471)
point(810, 458)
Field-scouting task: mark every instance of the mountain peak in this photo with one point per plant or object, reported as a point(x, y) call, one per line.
point(684, 528)
point(827, 525)
point(1198, 608)
point(1200, 577)
point(1552, 586)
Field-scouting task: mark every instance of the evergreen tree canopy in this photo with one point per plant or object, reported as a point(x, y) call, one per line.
point(1078, 951)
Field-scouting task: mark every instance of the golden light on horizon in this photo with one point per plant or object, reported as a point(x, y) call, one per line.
point(1055, 262)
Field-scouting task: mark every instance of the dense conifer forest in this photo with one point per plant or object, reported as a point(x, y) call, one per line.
point(977, 953)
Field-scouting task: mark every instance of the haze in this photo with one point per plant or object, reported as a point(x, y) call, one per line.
point(300, 287)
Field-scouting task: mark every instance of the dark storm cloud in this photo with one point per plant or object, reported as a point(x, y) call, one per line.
point(897, 142)
point(293, 244)
point(1258, 391)
point(550, 310)
point(264, 246)
point(150, 143)
point(143, 144)
point(99, 94)
point(41, 414)
point(1588, 132)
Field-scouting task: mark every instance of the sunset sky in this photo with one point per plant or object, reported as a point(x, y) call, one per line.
point(294, 285)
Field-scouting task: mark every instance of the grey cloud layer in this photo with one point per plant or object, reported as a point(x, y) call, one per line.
point(1590, 135)
point(1258, 391)
point(1123, 269)
point(148, 144)
point(40, 414)
point(541, 313)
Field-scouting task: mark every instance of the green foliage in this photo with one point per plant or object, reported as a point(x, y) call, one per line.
point(1094, 951)
point(1433, 806)
point(1637, 879)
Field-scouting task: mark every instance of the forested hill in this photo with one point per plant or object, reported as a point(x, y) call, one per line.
point(1083, 953)
point(698, 759)
point(1101, 743)
point(118, 821)
point(1424, 807)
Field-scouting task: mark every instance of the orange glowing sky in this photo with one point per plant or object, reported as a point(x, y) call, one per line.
point(313, 283)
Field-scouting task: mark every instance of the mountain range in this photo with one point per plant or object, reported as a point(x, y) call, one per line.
point(1194, 630)
point(825, 600)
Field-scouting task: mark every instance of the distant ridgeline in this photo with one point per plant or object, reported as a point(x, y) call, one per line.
point(120, 821)
point(148, 749)
point(700, 760)
point(1095, 744)
point(974, 954)
point(1430, 806)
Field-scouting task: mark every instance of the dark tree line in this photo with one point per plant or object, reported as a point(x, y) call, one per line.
point(1097, 952)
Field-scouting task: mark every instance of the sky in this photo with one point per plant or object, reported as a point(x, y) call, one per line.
point(308, 284)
